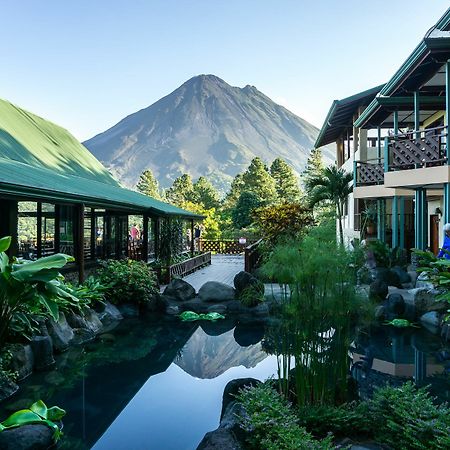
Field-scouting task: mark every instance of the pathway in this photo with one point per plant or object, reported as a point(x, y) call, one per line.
point(223, 268)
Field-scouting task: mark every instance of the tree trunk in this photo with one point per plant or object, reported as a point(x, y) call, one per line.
point(341, 230)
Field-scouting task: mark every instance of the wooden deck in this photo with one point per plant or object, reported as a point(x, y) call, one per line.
point(223, 268)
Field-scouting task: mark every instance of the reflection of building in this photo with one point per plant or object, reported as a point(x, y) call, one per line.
point(56, 197)
point(394, 140)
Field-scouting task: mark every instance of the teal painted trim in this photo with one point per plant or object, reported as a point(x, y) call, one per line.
point(395, 241)
point(381, 220)
point(446, 203)
point(420, 219)
point(395, 123)
point(386, 154)
point(417, 113)
point(354, 174)
point(444, 21)
point(402, 222)
point(447, 108)
point(379, 143)
point(326, 124)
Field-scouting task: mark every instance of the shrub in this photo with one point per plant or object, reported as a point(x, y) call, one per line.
point(89, 294)
point(406, 417)
point(127, 280)
point(252, 294)
point(271, 424)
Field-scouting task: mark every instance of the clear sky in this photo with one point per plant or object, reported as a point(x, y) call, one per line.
point(86, 64)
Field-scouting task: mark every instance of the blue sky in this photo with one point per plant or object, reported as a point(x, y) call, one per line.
point(87, 64)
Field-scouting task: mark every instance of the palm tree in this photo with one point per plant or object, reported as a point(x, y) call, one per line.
point(331, 185)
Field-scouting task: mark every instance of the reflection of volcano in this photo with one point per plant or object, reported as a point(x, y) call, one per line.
point(206, 356)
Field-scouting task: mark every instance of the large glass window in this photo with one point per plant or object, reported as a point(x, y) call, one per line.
point(66, 237)
point(151, 244)
point(99, 233)
point(27, 230)
point(87, 233)
point(48, 229)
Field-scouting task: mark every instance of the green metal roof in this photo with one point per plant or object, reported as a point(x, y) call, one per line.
point(425, 60)
point(340, 115)
point(42, 160)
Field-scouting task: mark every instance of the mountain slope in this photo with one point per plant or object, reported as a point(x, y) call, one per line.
point(205, 127)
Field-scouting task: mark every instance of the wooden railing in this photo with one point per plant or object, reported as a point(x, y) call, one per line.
point(223, 246)
point(183, 268)
point(370, 172)
point(252, 256)
point(425, 148)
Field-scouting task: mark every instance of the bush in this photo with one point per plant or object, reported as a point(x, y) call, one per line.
point(271, 424)
point(89, 294)
point(128, 280)
point(253, 294)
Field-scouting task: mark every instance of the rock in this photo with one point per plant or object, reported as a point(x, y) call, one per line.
point(173, 310)
point(82, 336)
point(445, 332)
point(180, 290)
point(425, 342)
point(413, 275)
point(219, 439)
point(431, 320)
point(107, 337)
point(230, 420)
point(60, 332)
point(232, 389)
point(221, 309)
point(423, 281)
point(390, 277)
point(42, 347)
point(215, 291)
point(217, 328)
point(22, 360)
point(76, 320)
point(378, 290)
point(129, 309)
point(245, 335)
point(380, 312)
point(394, 307)
point(261, 310)
point(403, 275)
point(422, 298)
point(243, 280)
point(109, 314)
point(27, 437)
point(195, 305)
point(55, 378)
point(235, 307)
point(92, 320)
point(154, 303)
point(7, 389)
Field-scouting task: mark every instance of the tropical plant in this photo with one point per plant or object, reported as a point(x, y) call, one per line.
point(89, 293)
point(253, 294)
point(368, 218)
point(29, 286)
point(332, 185)
point(128, 281)
point(171, 239)
point(37, 413)
point(271, 423)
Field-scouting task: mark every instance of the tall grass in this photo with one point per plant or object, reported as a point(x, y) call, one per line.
point(319, 303)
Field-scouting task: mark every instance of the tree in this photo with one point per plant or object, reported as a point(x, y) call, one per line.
point(148, 185)
point(237, 186)
point(333, 186)
point(181, 191)
point(205, 193)
point(257, 179)
point(242, 213)
point(286, 183)
point(314, 165)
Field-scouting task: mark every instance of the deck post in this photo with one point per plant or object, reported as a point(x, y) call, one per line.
point(386, 154)
point(396, 123)
point(8, 223)
point(381, 220)
point(395, 222)
point(447, 108)
point(417, 114)
point(157, 237)
point(79, 227)
point(192, 237)
point(446, 217)
point(145, 238)
point(379, 144)
point(402, 222)
point(420, 219)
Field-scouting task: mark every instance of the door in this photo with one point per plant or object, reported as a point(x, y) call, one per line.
point(434, 233)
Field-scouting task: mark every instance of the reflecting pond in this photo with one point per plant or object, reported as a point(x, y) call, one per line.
point(157, 383)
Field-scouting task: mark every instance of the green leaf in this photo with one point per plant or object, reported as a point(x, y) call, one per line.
point(5, 242)
point(39, 408)
point(4, 261)
point(21, 417)
point(1, 427)
point(55, 413)
point(43, 269)
point(51, 306)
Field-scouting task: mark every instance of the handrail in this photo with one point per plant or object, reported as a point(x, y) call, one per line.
point(412, 133)
point(252, 256)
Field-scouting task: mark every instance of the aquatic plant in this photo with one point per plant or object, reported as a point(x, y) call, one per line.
point(272, 424)
point(401, 323)
point(252, 294)
point(38, 413)
point(191, 316)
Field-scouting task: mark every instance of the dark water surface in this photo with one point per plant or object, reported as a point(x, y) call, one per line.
point(157, 384)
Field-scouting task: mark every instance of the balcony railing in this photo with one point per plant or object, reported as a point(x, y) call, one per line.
point(370, 172)
point(425, 148)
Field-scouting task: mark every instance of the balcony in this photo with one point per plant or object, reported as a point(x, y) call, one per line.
point(426, 148)
point(369, 173)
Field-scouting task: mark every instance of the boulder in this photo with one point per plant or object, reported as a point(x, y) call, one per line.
point(22, 360)
point(92, 320)
point(82, 336)
point(390, 277)
point(421, 298)
point(232, 389)
point(230, 420)
point(217, 328)
point(378, 290)
point(42, 347)
point(110, 314)
point(27, 437)
point(220, 439)
point(424, 281)
point(154, 303)
point(394, 307)
point(172, 310)
point(214, 291)
point(7, 389)
point(129, 309)
point(75, 320)
point(60, 332)
point(221, 309)
point(403, 275)
point(243, 280)
point(246, 335)
point(195, 305)
point(431, 320)
point(179, 289)
point(445, 332)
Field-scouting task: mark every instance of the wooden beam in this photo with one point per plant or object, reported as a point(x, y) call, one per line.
point(79, 236)
point(145, 238)
point(192, 238)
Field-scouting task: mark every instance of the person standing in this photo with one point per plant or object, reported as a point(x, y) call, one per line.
point(443, 253)
point(135, 233)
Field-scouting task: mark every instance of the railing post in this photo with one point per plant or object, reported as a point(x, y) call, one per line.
point(381, 220)
point(355, 179)
point(420, 219)
point(394, 222)
point(379, 143)
point(395, 124)
point(402, 222)
point(386, 154)
point(417, 114)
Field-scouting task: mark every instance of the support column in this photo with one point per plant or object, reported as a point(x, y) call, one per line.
point(417, 114)
point(395, 240)
point(420, 219)
point(8, 223)
point(386, 154)
point(192, 237)
point(379, 143)
point(402, 222)
point(79, 253)
point(396, 123)
point(447, 107)
point(145, 238)
point(381, 220)
point(446, 203)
